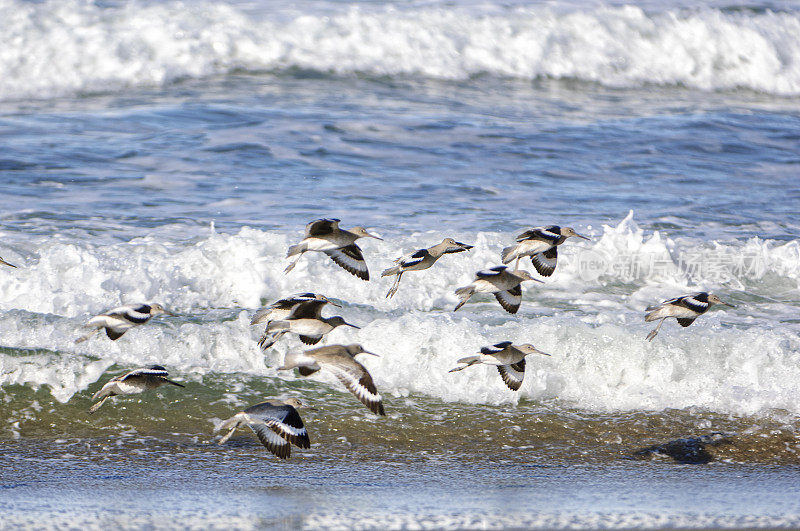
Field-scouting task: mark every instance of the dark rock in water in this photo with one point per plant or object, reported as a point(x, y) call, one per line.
point(690, 451)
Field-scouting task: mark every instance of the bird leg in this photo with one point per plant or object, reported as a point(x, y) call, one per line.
point(396, 285)
point(87, 336)
point(294, 263)
point(654, 332)
point(267, 340)
point(97, 405)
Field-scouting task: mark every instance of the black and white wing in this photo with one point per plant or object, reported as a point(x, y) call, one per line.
point(697, 302)
point(321, 227)
point(685, 321)
point(513, 374)
point(496, 348)
point(272, 441)
point(307, 310)
point(551, 233)
point(413, 259)
point(153, 370)
point(459, 248)
point(510, 299)
point(358, 381)
point(136, 314)
point(492, 272)
point(282, 419)
point(351, 260)
point(545, 263)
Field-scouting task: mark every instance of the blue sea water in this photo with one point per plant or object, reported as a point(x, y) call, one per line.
point(172, 151)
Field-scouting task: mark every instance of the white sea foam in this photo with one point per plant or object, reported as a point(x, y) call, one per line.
point(56, 48)
point(744, 360)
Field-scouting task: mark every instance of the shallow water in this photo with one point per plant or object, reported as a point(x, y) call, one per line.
point(177, 164)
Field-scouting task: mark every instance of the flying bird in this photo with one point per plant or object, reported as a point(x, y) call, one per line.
point(507, 357)
point(541, 244)
point(281, 308)
point(340, 361)
point(422, 259)
point(119, 320)
point(324, 235)
point(276, 423)
point(305, 319)
point(504, 283)
point(685, 309)
point(131, 383)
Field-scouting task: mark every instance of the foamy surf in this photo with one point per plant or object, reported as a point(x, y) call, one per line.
point(54, 49)
point(744, 361)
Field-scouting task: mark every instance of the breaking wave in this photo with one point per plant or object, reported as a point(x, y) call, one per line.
point(52, 49)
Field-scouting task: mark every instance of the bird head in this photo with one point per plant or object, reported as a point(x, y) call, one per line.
point(339, 321)
point(356, 349)
point(361, 232)
point(569, 231)
point(157, 309)
point(527, 348)
point(713, 299)
point(524, 275)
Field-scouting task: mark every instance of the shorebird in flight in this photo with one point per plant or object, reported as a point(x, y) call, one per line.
point(541, 244)
point(305, 319)
point(509, 359)
point(504, 283)
point(422, 259)
point(131, 383)
point(276, 423)
point(340, 361)
point(685, 309)
point(324, 235)
point(119, 320)
point(281, 309)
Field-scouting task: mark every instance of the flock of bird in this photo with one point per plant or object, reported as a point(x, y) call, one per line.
point(277, 423)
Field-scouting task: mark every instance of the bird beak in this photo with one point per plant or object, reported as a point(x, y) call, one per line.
point(170, 313)
point(726, 304)
point(373, 236)
point(370, 353)
point(354, 326)
point(537, 280)
point(581, 236)
point(333, 303)
point(465, 246)
point(6, 263)
point(541, 352)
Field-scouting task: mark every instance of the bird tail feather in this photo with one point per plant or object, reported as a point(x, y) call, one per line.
point(464, 293)
point(466, 362)
point(509, 254)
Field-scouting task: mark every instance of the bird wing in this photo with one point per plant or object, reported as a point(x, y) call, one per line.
point(113, 334)
point(510, 299)
point(491, 272)
point(551, 233)
point(310, 340)
point(358, 381)
point(307, 310)
point(153, 370)
point(321, 227)
point(138, 314)
point(685, 321)
point(413, 259)
point(351, 260)
point(282, 419)
point(460, 248)
point(513, 374)
point(497, 347)
point(272, 441)
point(691, 302)
point(545, 263)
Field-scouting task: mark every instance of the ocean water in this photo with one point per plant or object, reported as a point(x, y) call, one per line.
point(171, 152)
